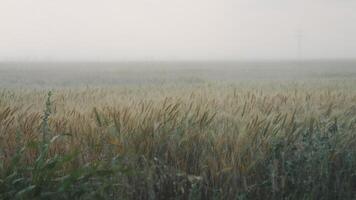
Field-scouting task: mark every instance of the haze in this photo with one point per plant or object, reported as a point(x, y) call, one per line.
point(103, 30)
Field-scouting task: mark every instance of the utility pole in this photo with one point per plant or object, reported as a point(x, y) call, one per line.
point(299, 36)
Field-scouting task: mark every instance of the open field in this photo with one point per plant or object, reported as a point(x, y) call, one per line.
point(246, 131)
point(59, 75)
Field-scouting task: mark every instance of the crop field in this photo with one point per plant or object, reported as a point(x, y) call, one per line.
point(199, 131)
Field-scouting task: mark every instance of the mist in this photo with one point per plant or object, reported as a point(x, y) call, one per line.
point(121, 30)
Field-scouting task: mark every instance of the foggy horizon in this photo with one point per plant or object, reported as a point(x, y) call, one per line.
point(251, 60)
point(156, 30)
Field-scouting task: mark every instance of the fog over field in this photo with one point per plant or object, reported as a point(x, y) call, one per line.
point(78, 74)
point(124, 30)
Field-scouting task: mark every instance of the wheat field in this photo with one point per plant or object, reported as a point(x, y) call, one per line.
point(251, 139)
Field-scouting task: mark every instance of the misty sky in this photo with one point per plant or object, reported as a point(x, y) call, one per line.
point(176, 29)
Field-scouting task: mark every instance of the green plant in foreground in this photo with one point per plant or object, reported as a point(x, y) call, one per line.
point(46, 177)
